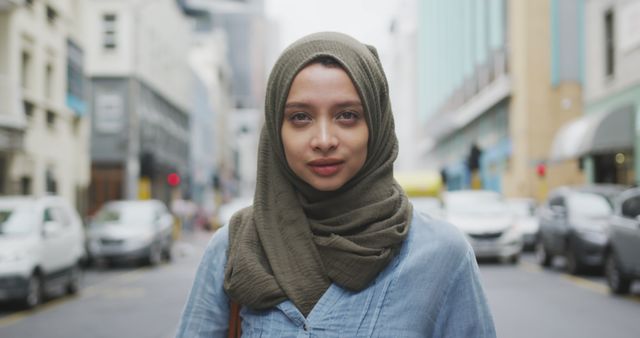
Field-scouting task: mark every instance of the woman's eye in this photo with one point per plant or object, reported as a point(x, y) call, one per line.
point(298, 117)
point(348, 115)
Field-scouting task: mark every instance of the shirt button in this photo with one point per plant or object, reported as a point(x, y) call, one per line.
point(305, 327)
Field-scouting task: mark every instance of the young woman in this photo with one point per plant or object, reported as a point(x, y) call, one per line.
point(331, 246)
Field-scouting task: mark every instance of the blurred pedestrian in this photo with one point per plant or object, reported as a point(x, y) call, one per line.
point(332, 245)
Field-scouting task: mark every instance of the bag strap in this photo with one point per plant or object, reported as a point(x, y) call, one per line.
point(235, 322)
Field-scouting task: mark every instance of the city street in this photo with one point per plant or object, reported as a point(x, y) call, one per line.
point(146, 302)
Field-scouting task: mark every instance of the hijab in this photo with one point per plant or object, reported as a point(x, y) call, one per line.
point(295, 241)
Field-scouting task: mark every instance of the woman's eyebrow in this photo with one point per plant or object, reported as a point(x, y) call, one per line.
point(296, 105)
point(347, 104)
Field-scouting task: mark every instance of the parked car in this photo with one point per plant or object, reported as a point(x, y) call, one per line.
point(41, 248)
point(524, 210)
point(573, 224)
point(131, 230)
point(623, 252)
point(487, 221)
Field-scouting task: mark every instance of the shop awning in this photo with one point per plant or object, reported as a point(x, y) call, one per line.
point(596, 133)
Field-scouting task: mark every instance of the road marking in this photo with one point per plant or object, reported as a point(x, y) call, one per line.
point(89, 291)
point(18, 316)
point(529, 267)
point(587, 284)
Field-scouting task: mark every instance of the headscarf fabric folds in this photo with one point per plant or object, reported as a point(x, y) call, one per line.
point(295, 240)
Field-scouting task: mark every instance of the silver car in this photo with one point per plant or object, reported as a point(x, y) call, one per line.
point(487, 221)
point(623, 252)
point(131, 230)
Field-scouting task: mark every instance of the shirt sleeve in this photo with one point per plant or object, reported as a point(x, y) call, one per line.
point(464, 311)
point(206, 313)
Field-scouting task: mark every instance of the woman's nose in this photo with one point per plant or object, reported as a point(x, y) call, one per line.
point(324, 138)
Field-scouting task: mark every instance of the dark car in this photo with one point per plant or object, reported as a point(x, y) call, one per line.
point(573, 223)
point(623, 252)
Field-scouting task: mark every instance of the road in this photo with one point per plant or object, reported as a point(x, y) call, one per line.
point(127, 301)
point(130, 301)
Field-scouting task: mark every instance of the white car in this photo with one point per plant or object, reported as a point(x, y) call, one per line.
point(131, 230)
point(524, 209)
point(487, 221)
point(41, 247)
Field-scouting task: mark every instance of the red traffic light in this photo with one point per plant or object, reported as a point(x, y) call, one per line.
point(541, 169)
point(173, 179)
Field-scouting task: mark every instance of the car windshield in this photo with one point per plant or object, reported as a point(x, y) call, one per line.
point(590, 205)
point(475, 204)
point(17, 220)
point(125, 213)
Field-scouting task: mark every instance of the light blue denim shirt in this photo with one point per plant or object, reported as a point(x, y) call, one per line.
point(430, 289)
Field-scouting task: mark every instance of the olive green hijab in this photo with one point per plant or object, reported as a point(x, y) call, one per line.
point(295, 240)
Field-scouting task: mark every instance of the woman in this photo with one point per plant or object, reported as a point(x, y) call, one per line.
point(331, 246)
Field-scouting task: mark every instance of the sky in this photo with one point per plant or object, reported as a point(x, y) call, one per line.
point(366, 20)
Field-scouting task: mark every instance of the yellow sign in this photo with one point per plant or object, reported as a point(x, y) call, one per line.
point(420, 183)
point(144, 188)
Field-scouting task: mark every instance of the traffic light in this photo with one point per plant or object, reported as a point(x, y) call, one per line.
point(541, 170)
point(173, 179)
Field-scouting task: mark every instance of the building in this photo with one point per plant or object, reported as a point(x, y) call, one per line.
point(44, 130)
point(137, 59)
point(495, 87)
point(402, 75)
point(606, 137)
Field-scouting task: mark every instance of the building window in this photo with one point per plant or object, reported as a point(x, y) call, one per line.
point(52, 15)
point(609, 35)
point(25, 185)
point(51, 119)
point(28, 109)
point(109, 22)
point(49, 82)
point(25, 71)
point(51, 183)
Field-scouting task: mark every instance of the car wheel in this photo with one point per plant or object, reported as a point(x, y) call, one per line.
point(155, 254)
point(167, 253)
point(618, 282)
point(514, 259)
point(574, 266)
point(34, 291)
point(542, 255)
point(75, 275)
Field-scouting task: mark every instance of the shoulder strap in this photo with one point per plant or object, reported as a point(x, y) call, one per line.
point(235, 322)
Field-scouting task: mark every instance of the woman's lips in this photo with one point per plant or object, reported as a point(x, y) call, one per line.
point(325, 167)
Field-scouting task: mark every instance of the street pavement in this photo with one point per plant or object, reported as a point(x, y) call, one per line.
point(132, 301)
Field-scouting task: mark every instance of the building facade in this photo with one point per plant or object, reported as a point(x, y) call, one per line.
point(612, 90)
point(44, 133)
point(137, 59)
point(489, 102)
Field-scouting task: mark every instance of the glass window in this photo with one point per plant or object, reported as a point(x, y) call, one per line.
point(126, 213)
point(631, 207)
point(17, 220)
point(588, 205)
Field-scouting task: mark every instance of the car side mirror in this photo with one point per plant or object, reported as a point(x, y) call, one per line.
point(50, 228)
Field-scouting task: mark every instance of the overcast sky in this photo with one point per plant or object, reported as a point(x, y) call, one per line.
point(366, 20)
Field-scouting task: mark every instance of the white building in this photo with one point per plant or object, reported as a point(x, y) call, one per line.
point(612, 90)
point(43, 124)
point(403, 84)
point(137, 58)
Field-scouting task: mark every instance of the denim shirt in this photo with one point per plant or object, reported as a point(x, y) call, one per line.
point(430, 289)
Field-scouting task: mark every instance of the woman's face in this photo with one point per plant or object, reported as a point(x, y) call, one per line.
point(324, 130)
